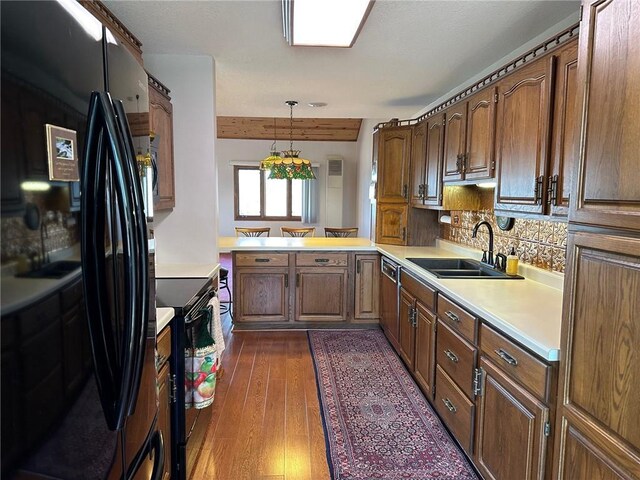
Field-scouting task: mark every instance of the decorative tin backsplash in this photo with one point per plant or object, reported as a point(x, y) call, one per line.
point(537, 242)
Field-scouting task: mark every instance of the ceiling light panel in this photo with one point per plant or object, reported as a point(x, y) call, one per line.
point(328, 23)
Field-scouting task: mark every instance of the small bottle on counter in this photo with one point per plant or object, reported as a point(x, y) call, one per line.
point(512, 262)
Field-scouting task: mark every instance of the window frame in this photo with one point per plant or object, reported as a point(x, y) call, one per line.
point(262, 216)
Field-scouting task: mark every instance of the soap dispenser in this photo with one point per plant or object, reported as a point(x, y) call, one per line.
point(512, 262)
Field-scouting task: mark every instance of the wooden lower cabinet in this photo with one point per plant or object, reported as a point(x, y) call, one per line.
point(367, 288)
point(164, 418)
point(510, 439)
point(406, 333)
point(321, 294)
point(389, 307)
point(261, 294)
point(424, 364)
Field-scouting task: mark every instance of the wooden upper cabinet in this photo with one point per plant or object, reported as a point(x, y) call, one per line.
point(161, 124)
point(607, 186)
point(432, 192)
point(394, 157)
point(454, 142)
point(565, 131)
point(479, 160)
point(522, 137)
point(418, 163)
point(598, 401)
point(391, 224)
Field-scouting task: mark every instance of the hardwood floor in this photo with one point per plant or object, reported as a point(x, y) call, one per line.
point(266, 417)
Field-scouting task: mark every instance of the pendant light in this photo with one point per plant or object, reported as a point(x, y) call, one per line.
point(274, 155)
point(291, 165)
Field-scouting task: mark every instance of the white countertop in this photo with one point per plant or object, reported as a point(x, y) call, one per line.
point(186, 270)
point(163, 317)
point(295, 243)
point(528, 311)
point(16, 292)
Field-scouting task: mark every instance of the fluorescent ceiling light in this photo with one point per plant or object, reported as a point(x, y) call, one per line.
point(324, 23)
point(87, 21)
point(486, 184)
point(35, 186)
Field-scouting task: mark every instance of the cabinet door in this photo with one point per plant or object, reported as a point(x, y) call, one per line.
point(481, 133)
point(522, 137)
point(261, 295)
point(418, 160)
point(425, 367)
point(564, 146)
point(389, 309)
point(606, 189)
point(454, 142)
point(321, 294)
point(12, 150)
point(394, 157)
point(367, 288)
point(164, 417)
point(406, 338)
point(161, 120)
point(433, 166)
point(391, 224)
point(598, 401)
point(510, 438)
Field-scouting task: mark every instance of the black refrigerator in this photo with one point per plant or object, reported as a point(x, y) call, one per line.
point(79, 392)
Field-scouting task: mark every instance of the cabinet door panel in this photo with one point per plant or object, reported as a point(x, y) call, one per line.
point(481, 130)
point(406, 331)
point(12, 150)
point(389, 309)
point(394, 157)
point(425, 349)
point(418, 159)
point(367, 291)
point(565, 131)
point(433, 165)
point(606, 191)
point(261, 294)
point(321, 294)
point(164, 417)
point(510, 439)
point(161, 120)
point(524, 107)
point(600, 317)
point(391, 224)
point(454, 142)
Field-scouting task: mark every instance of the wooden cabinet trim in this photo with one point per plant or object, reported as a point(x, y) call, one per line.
point(367, 288)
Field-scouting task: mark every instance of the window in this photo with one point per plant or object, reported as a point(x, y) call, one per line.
point(258, 198)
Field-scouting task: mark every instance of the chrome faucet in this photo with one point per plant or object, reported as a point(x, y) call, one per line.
point(489, 259)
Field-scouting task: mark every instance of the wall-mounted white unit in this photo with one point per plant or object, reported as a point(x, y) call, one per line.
point(335, 185)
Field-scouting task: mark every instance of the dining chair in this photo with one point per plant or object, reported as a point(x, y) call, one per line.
point(252, 232)
point(298, 232)
point(341, 232)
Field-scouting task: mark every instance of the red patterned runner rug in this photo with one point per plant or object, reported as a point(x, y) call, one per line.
point(378, 424)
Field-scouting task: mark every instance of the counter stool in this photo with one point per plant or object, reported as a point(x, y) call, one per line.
point(223, 283)
point(297, 232)
point(340, 232)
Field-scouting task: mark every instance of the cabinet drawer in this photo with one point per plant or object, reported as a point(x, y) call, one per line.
point(458, 319)
point(266, 259)
point(71, 295)
point(321, 259)
point(456, 410)
point(457, 357)
point(515, 361)
point(422, 292)
point(163, 346)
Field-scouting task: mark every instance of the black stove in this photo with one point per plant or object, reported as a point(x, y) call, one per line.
point(180, 293)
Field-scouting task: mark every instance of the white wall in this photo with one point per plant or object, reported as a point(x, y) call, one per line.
point(365, 152)
point(249, 152)
point(188, 233)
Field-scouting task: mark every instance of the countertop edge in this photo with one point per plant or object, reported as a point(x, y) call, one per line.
point(163, 316)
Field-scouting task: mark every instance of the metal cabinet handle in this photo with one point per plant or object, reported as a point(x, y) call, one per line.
point(297, 280)
point(262, 260)
point(452, 316)
point(506, 357)
point(451, 356)
point(321, 260)
point(404, 234)
point(450, 406)
point(537, 189)
point(405, 190)
point(286, 280)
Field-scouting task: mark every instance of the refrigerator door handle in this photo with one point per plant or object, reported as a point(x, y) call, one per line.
point(114, 371)
point(158, 459)
point(140, 286)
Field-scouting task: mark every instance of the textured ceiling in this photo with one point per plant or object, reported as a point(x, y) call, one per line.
point(408, 53)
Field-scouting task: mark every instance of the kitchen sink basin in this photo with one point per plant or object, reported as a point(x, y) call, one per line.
point(461, 268)
point(53, 270)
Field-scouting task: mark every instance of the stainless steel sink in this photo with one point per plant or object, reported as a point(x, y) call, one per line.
point(461, 268)
point(53, 270)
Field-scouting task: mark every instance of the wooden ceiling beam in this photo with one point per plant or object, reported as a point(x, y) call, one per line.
point(312, 129)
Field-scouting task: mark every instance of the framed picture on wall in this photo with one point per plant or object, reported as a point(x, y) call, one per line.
point(62, 150)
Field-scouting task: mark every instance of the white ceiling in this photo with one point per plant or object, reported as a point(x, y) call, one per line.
point(408, 53)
